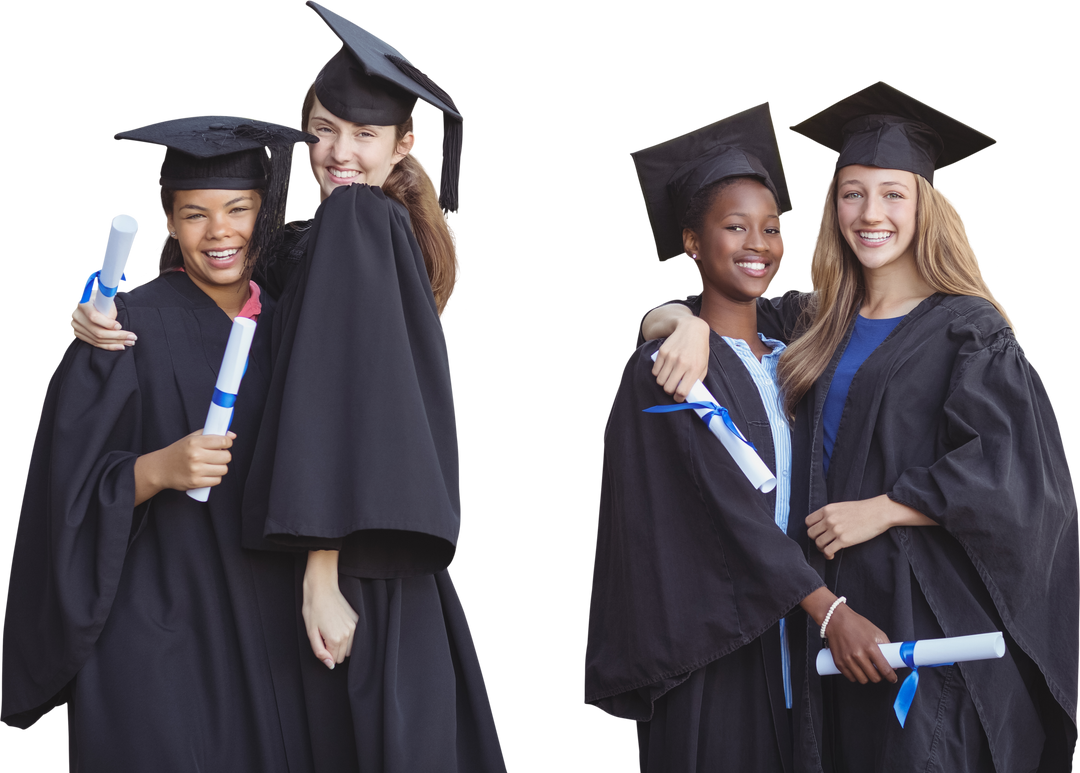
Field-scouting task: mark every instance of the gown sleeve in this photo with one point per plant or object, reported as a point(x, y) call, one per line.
point(690, 564)
point(358, 447)
point(781, 318)
point(76, 522)
point(1001, 487)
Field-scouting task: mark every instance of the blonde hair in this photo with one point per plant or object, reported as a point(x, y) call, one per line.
point(410, 185)
point(943, 258)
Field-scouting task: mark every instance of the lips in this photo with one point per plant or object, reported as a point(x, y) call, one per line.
point(343, 175)
point(754, 267)
point(874, 238)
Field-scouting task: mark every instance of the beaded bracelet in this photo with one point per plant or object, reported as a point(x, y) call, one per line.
point(829, 614)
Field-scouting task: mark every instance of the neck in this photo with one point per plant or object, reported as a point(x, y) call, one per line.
point(893, 290)
point(229, 298)
point(734, 319)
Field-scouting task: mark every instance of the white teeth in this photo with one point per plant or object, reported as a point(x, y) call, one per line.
point(343, 173)
point(222, 253)
point(752, 266)
point(875, 236)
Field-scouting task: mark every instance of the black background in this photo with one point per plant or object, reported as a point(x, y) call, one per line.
point(557, 258)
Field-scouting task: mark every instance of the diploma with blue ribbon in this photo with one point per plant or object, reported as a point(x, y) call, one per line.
point(233, 366)
point(718, 420)
point(121, 235)
point(926, 653)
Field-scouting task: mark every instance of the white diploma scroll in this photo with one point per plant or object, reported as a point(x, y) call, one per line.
point(121, 236)
point(932, 652)
point(232, 369)
point(742, 452)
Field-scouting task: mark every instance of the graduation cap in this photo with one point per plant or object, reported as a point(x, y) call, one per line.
point(880, 126)
point(742, 145)
point(369, 82)
point(217, 152)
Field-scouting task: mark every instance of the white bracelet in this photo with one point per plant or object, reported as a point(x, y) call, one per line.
point(828, 615)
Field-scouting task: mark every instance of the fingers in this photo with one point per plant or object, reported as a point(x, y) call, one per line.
point(318, 647)
point(881, 665)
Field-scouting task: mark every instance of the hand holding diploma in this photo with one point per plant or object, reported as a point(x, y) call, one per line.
point(720, 424)
point(233, 365)
point(927, 652)
point(121, 235)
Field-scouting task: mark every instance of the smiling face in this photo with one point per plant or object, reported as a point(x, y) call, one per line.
point(738, 244)
point(348, 153)
point(876, 211)
point(214, 228)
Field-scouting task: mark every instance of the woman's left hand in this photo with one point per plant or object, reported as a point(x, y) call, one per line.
point(843, 524)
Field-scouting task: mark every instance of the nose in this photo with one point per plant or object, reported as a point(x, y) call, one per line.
point(755, 241)
point(872, 210)
point(341, 149)
point(220, 227)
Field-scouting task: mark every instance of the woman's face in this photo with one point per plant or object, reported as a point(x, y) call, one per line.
point(739, 247)
point(348, 153)
point(876, 210)
point(213, 228)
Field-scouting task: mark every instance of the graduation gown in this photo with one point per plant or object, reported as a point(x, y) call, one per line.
point(691, 578)
point(948, 417)
point(358, 452)
point(170, 644)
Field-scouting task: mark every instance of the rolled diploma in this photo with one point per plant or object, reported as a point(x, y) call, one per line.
point(932, 652)
point(228, 382)
point(741, 451)
point(121, 236)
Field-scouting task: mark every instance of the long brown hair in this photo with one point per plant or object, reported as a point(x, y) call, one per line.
point(409, 184)
point(943, 258)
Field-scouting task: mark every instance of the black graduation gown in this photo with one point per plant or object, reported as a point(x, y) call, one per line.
point(358, 452)
point(947, 417)
point(169, 642)
point(691, 578)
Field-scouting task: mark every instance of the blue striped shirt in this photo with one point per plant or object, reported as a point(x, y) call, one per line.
point(764, 374)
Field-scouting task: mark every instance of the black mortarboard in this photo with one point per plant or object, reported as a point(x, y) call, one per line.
point(369, 82)
point(880, 126)
point(742, 145)
point(218, 152)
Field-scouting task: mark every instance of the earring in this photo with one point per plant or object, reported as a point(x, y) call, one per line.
point(172, 234)
point(693, 255)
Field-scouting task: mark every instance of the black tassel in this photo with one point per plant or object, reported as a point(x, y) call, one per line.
point(451, 163)
point(269, 224)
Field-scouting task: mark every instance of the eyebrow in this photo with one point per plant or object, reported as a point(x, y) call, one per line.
point(743, 214)
point(888, 182)
point(227, 203)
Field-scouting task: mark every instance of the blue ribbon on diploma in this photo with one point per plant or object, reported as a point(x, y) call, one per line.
point(108, 292)
point(713, 410)
point(902, 704)
point(223, 399)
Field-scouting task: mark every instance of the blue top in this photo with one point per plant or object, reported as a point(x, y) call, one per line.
point(865, 338)
point(764, 375)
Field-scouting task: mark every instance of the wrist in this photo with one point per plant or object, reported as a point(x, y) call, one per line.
point(322, 569)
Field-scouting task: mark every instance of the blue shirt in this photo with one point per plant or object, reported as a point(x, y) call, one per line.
point(763, 373)
point(865, 338)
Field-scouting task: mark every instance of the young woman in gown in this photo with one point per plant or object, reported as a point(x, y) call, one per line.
point(133, 603)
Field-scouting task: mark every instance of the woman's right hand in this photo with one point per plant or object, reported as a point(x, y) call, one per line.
point(684, 357)
point(329, 619)
point(853, 641)
point(195, 461)
point(100, 330)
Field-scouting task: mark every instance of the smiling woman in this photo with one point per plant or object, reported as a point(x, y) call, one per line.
point(212, 229)
point(130, 601)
